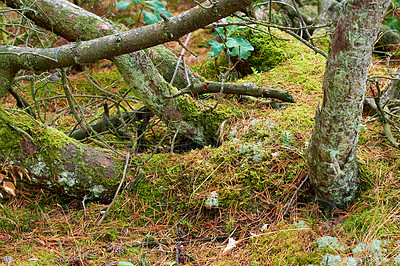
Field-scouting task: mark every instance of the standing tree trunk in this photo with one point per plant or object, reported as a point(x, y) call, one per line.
point(332, 161)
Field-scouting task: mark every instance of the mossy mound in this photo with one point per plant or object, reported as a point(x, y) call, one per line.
point(268, 50)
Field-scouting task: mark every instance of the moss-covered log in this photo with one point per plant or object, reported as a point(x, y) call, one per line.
point(56, 162)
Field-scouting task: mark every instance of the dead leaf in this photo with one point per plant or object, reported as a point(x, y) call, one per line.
point(9, 188)
point(231, 244)
point(2, 177)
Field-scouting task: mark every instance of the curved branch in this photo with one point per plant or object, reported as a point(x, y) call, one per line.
point(118, 43)
point(241, 89)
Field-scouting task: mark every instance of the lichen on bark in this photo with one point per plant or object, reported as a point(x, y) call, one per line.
point(54, 161)
point(332, 160)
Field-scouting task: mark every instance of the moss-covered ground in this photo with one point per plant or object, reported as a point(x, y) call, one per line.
point(249, 190)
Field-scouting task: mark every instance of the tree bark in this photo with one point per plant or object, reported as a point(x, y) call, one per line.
point(393, 90)
point(332, 161)
point(248, 89)
point(56, 162)
point(136, 68)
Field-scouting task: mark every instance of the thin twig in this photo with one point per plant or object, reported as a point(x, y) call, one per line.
point(177, 250)
point(158, 145)
point(294, 195)
point(306, 43)
point(187, 49)
point(302, 23)
point(158, 242)
point(180, 57)
point(8, 219)
point(202, 6)
point(173, 139)
point(183, 218)
point(84, 208)
point(220, 93)
point(118, 189)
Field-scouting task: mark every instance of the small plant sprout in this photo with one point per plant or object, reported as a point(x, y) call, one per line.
point(231, 43)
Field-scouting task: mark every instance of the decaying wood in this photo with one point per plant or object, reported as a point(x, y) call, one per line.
point(115, 122)
point(56, 162)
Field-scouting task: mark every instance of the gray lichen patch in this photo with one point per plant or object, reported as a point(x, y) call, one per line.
point(67, 178)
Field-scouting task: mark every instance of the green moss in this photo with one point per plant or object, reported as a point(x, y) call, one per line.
point(211, 68)
point(298, 117)
point(372, 221)
point(268, 52)
point(20, 124)
point(285, 245)
point(303, 72)
point(40, 150)
point(322, 40)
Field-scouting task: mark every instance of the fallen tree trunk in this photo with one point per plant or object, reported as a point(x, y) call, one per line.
point(138, 71)
point(56, 162)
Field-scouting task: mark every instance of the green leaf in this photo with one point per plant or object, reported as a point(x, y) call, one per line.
point(156, 4)
point(158, 8)
point(123, 4)
point(149, 18)
point(216, 48)
point(220, 32)
point(239, 46)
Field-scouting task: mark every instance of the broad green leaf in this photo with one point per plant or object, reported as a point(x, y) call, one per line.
point(220, 32)
point(149, 18)
point(156, 4)
point(216, 48)
point(123, 4)
point(232, 29)
point(239, 47)
point(158, 8)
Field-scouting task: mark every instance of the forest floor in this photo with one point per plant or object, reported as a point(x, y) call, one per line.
point(266, 213)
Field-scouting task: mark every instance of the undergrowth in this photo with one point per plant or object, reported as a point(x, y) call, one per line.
point(254, 180)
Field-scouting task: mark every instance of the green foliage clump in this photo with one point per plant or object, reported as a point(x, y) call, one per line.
point(231, 41)
point(371, 220)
